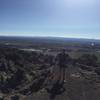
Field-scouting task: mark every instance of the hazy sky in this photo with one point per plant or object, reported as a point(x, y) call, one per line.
point(65, 18)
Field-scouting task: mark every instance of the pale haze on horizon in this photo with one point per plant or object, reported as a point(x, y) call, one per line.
point(58, 18)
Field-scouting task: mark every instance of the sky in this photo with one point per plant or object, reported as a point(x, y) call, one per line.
point(56, 18)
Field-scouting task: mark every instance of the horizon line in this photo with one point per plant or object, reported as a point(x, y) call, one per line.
point(34, 36)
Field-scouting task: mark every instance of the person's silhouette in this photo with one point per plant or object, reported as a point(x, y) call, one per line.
point(57, 82)
point(61, 60)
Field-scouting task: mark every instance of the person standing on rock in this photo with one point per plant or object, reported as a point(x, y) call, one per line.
point(62, 60)
point(57, 76)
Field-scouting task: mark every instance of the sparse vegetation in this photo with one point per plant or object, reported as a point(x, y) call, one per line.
point(26, 73)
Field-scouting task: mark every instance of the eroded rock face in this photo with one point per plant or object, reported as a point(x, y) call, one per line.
point(22, 72)
point(27, 74)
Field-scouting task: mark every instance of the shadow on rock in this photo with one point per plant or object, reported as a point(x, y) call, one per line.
point(55, 89)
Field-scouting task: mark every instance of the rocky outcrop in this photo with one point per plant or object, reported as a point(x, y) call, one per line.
point(27, 76)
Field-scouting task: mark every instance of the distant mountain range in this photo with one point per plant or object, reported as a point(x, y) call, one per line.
point(46, 39)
